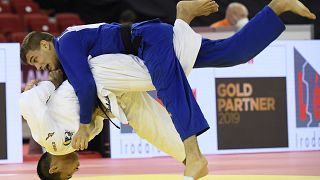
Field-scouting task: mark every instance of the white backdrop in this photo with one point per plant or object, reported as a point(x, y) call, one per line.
point(10, 75)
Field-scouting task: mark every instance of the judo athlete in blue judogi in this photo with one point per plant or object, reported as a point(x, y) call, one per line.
point(152, 42)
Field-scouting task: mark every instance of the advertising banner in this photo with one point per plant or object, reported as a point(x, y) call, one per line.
point(306, 128)
point(251, 113)
point(10, 119)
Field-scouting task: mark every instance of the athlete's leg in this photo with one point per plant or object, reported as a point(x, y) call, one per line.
point(152, 122)
point(173, 89)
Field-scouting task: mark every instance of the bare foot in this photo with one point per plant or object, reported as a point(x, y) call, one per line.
point(197, 169)
point(188, 10)
point(196, 163)
point(295, 6)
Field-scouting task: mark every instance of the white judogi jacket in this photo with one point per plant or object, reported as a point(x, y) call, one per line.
point(53, 115)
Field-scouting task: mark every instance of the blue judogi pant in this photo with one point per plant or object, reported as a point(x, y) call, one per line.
point(168, 77)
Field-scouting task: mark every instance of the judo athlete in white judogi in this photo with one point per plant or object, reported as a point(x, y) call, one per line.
point(122, 80)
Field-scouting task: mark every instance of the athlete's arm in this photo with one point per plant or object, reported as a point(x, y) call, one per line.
point(33, 101)
point(74, 59)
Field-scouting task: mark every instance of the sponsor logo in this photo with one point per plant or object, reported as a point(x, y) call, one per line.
point(130, 147)
point(244, 106)
point(54, 146)
point(307, 93)
point(67, 137)
point(49, 135)
point(309, 139)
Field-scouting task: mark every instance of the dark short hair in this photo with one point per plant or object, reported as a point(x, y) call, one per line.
point(44, 166)
point(32, 42)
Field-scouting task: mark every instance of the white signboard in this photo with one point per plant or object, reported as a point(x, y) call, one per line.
point(10, 119)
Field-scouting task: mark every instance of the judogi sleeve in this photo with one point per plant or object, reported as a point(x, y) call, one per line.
point(74, 59)
point(33, 108)
point(43, 129)
point(33, 102)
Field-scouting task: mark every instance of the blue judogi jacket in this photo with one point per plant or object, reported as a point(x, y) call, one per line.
point(77, 43)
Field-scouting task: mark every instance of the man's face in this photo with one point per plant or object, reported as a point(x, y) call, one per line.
point(66, 166)
point(44, 58)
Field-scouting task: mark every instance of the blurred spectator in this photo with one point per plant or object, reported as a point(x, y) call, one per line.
point(127, 17)
point(236, 16)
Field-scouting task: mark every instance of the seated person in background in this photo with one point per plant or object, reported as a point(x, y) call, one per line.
point(236, 16)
